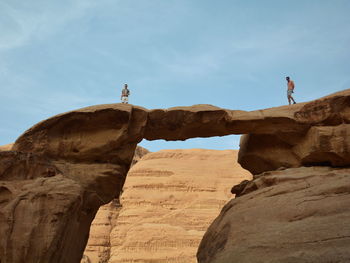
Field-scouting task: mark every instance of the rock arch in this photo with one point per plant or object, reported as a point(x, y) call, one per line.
point(63, 169)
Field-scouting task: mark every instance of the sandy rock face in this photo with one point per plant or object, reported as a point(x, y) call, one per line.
point(293, 215)
point(138, 155)
point(39, 207)
point(170, 197)
point(6, 147)
point(98, 248)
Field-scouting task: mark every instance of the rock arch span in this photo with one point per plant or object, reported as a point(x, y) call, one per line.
point(63, 169)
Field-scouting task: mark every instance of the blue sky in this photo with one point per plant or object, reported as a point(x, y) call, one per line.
point(57, 56)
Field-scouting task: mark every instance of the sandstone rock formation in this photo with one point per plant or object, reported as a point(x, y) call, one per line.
point(6, 147)
point(326, 141)
point(87, 154)
point(170, 197)
point(98, 248)
point(294, 215)
point(139, 153)
point(39, 208)
point(284, 127)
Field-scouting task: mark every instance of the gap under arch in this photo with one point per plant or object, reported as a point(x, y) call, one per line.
point(228, 142)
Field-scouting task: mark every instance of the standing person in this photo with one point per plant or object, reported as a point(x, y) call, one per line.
point(290, 90)
point(125, 94)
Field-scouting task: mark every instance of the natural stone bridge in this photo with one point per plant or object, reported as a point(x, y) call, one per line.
point(63, 169)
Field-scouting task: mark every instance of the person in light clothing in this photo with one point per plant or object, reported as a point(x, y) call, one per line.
point(125, 94)
point(290, 90)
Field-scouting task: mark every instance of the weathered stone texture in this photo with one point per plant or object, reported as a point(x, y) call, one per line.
point(293, 215)
point(88, 153)
point(170, 197)
point(98, 248)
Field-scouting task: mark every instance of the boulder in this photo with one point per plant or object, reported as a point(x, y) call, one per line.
point(292, 215)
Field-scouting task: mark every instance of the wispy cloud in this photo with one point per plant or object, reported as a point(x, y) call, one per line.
point(24, 21)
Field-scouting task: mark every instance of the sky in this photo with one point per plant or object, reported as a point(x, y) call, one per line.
point(57, 56)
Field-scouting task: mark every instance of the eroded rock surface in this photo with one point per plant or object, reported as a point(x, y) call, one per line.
point(170, 197)
point(293, 215)
point(89, 151)
point(6, 147)
point(98, 248)
point(39, 209)
point(277, 136)
point(326, 141)
point(321, 145)
point(87, 154)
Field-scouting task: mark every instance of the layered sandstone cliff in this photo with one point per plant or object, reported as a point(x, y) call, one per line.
point(166, 206)
point(63, 169)
point(98, 248)
point(170, 198)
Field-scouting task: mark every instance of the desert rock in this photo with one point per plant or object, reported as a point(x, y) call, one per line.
point(98, 248)
point(88, 153)
point(92, 148)
point(292, 215)
point(39, 208)
point(325, 142)
point(6, 147)
point(170, 197)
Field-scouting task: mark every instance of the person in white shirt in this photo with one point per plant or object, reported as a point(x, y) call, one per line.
point(125, 94)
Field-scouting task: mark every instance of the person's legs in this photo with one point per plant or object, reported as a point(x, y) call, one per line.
point(289, 96)
point(293, 100)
